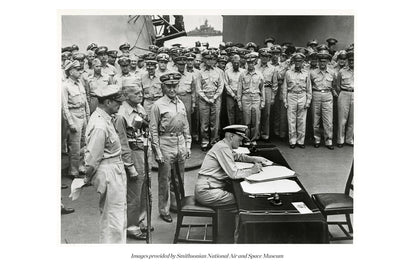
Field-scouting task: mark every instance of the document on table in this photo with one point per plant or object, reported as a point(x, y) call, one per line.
point(245, 165)
point(301, 207)
point(270, 187)
point(271, 173)
point(76, 188)
point(242, 150)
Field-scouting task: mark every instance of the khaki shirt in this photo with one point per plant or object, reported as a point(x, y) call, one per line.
point(250, 83)
point(297, 82)
point(109, 70)
point(168, 117)
point(98, 82)
point(151, 87)
point(346, 79)
point(128, 134)
point(102, 141)
point(188, 85)
point(120, 79)
point(323, 80)
point(231, 80)
point(268, 72)
point(73, 97)
point(220, 163)
point(211, 83)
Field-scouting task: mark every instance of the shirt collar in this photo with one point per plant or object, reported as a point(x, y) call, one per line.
point(73, 81)
point(168, 100)
point(252, 72)
point(105, 115)
point(128, 108)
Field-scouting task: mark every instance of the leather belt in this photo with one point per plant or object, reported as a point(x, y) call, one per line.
point(172, 134)
point(347, 90)
point(322, 91)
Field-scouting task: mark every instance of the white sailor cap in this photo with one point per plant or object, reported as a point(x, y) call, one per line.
point(236, 129)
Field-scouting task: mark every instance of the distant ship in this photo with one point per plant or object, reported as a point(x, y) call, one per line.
point(204, 30)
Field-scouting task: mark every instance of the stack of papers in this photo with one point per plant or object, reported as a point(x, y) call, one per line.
point(270, 187)
point(271, 173)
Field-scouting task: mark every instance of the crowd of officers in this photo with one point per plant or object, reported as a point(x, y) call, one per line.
point(111, 99)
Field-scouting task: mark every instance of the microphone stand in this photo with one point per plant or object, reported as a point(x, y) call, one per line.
point(147, 183)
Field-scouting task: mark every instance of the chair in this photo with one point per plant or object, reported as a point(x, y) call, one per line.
point(338, 204)
point(187, 207)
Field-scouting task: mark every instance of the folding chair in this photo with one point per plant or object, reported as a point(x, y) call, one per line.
point(338, 204)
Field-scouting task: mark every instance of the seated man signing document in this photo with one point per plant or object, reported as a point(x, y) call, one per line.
point(219, 166)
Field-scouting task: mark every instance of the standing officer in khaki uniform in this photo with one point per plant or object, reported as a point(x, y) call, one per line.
point(187, 88)
point(104, 167)
point(345, 89)
point(150, 83)
point(97, 81)
point(231, 77)
point(212, 84)
point(250, 97)
point(102, 54)
point(323, 84)
point(76, 114)
point(163, 60)
point(171, 139)
point(270, 90)
point(130, 124)
point(297, 96)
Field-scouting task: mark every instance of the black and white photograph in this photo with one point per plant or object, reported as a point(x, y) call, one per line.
point(214, 128)
point(206, 137)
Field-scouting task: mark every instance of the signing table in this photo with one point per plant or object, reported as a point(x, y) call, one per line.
point(263, 222)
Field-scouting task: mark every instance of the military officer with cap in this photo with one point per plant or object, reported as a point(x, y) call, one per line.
point(269, 42)
point(153, 48)
point(90, 56)
point(219, 166)
point(345, 88)
point(162, 60)
point(130, 124)
point(297, 96)
point(195, 118)
point(323, 88)
point(231, 77)
point(171, 139)
point(102, 54)
point(92, 47)
point(98, 81)
point(74, 49)
point(84, 74)
point(104, 167)
point(251, 47)
point(331, 45)
point(187, 88)
point(125, 48)
point(312, 45)
point(150, 83)
point(270, 90)
point(250, 97)
point(211, 87)
point(76, 114)
point(125, 75)
point(112, 56)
